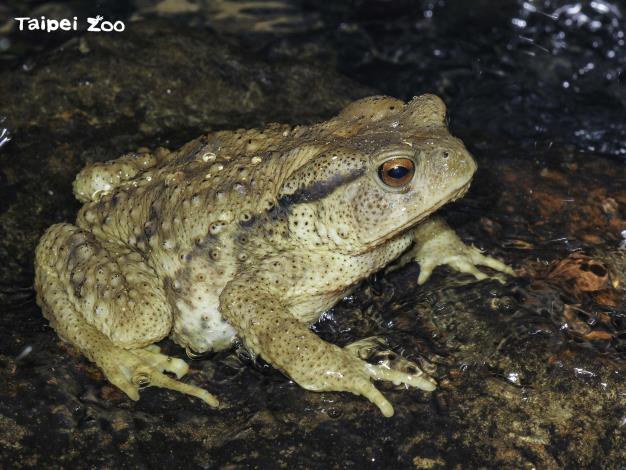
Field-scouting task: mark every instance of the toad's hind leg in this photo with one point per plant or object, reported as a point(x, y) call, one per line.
point(102, 177)
point(105, 300)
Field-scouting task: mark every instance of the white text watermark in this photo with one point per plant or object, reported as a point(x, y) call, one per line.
point(94, 24)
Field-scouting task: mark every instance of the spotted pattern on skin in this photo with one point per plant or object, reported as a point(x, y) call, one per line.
point(250, 233)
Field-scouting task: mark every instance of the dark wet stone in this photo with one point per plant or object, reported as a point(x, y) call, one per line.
point(540, 72)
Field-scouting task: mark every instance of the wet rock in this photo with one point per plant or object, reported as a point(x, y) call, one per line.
point(533, 73)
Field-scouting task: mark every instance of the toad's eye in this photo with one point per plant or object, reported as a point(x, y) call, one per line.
point(396, 172)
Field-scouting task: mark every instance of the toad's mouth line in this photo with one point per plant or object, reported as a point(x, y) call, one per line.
point(453, 196)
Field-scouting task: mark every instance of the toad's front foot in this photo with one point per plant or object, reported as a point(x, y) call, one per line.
point(327, 367)
point(438, 245)
point(460, 257)
point(131, 370)
point(341, 370)
point(270, 330)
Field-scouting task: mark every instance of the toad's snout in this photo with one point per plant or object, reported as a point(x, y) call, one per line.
point(448, 166)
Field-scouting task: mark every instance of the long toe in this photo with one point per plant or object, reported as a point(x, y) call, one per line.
point(416, 379)
point(162, 362)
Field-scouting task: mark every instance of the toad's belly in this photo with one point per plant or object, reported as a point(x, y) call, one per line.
point(200, 327)
point(198, 323)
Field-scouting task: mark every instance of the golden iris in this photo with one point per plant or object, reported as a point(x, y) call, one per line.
point(396, 172)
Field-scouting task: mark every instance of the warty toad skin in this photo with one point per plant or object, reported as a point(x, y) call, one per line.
point(255, 233)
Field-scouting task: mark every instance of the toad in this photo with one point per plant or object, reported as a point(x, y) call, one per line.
point(253, 234)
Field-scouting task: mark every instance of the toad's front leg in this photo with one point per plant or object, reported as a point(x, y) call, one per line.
point(436, 244)
point(269, 330)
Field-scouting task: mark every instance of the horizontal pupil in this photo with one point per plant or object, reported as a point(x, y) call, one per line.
point(397, 172)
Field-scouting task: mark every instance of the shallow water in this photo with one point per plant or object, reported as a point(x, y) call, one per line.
point(531, 373)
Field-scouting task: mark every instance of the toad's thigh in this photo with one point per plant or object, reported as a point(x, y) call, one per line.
point(110, 286)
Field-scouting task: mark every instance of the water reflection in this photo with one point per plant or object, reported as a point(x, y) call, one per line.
point(533, 72)
point(5, 135)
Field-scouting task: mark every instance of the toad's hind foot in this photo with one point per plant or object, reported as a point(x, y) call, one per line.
point(131, 370)
point(152, 356)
